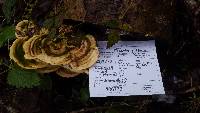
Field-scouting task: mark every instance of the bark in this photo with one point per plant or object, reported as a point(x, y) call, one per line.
point(150, 17)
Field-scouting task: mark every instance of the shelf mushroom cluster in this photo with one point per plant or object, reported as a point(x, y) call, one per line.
point(68, 57)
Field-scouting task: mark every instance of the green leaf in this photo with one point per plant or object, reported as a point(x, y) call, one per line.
point(21, 78)
point(84, 95)
point(8, 9)
point(6, 33)
point(52, 24)
point(126, 27)
point(113, 37)
point(112, 24)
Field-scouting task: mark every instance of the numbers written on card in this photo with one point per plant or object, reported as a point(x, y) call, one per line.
point(127, 68)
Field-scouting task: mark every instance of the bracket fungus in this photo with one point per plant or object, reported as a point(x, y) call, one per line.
point(67, 56)
point(25, 29)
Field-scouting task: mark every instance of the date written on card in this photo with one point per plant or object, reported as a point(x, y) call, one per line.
point(127, 68)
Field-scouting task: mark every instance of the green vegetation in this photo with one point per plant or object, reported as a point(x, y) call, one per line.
point(112, 24)
point(52, 24)
point(21, 78)
point(8, 9)
point(116, 26)
point(6, 33)
point(113, 37)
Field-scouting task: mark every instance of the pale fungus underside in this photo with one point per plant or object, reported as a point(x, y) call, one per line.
point(68, 57)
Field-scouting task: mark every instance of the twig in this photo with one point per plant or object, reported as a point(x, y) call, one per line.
point(131, 4)
point(6, 65)
point(192, 89)
point(180, 48)
point(3, 72)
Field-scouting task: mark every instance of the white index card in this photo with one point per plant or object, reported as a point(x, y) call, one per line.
point(127, 68)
